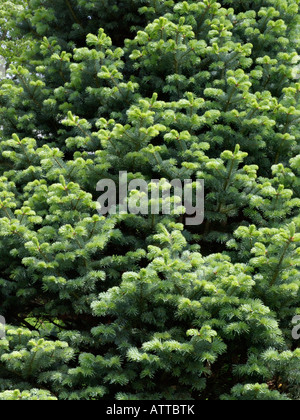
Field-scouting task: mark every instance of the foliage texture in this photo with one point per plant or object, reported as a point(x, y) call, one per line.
point(127, 306)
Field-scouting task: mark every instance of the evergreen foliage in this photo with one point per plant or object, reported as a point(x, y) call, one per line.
point(133, 307)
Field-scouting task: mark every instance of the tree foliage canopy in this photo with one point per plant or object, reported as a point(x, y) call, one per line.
point(141, 307)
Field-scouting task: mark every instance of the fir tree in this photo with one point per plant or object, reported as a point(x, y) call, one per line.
point(146, 307)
